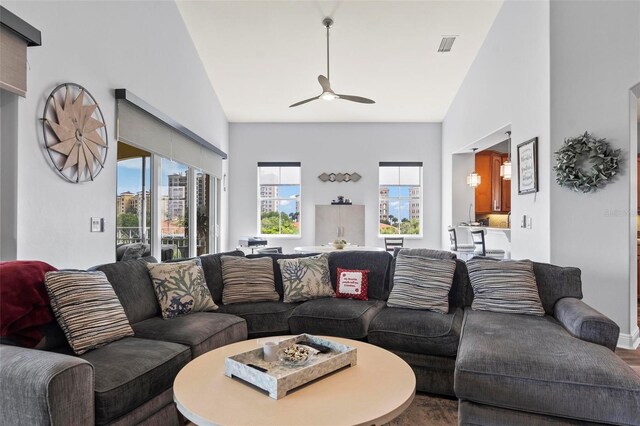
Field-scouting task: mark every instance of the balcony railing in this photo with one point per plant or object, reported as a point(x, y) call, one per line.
point(171, 237)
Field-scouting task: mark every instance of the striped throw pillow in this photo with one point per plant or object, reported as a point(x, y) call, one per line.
point(181, 288)
point(248, 280)
point(506, 286)
point(422, 283)
point(86, 308)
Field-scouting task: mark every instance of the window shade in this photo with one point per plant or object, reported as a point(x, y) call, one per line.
point(13, 62)
point(143, 130)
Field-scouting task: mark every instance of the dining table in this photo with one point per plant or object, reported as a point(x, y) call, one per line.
point(330, 248)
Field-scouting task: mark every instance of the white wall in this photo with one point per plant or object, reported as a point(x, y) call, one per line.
point(333, 147)
point(592, 73)
point(140, 46)
point(508, 83)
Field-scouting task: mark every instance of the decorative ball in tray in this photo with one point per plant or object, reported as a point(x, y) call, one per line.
point(294, 356)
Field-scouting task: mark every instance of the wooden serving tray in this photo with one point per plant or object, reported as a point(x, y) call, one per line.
point(279, 379)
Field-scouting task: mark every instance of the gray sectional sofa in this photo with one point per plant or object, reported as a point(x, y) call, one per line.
point(505, 369)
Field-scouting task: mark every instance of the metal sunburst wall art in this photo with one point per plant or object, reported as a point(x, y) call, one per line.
point(75, 134)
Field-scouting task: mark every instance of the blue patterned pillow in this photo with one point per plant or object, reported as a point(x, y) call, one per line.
point(180, 288)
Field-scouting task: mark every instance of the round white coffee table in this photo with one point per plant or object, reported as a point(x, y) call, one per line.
point(373, 392)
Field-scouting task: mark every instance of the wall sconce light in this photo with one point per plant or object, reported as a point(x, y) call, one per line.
point(474, 179)
point(505, 168)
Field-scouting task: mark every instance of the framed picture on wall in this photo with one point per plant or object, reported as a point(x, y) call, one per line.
point(528, 166)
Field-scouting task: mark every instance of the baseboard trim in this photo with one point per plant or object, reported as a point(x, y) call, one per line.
point(629, 341)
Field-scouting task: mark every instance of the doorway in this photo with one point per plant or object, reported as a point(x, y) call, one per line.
point(634, 240)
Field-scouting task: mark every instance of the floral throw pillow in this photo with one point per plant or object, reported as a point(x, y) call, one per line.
point(306, 278)
point(180, 288)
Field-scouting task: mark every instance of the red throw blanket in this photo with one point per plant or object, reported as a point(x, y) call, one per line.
point(24, 303)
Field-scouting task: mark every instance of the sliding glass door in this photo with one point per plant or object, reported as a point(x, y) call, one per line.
point(165, 203)
point(133, 198)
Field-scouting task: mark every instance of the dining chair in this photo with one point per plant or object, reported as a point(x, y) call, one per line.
point(463, 251)
point(391, 243)
point(481, 246)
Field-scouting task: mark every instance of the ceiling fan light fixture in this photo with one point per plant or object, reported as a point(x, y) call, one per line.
point(328, 96)
point(327, 93)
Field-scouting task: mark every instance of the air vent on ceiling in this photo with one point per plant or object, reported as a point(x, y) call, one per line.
point(446, 43)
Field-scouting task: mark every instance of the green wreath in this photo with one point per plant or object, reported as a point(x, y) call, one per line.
point(582, 149)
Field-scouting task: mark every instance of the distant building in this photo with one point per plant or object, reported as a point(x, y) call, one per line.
point(177, 203)
point(267, 195)
point(202, 189)
point(414, 203)
point(123, 202)
point(384, 203)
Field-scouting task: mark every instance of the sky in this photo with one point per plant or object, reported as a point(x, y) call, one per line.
point(129, 172)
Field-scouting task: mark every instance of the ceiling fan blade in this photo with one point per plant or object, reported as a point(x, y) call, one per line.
point(324, 82)
point(304, 102)
point(359, 99)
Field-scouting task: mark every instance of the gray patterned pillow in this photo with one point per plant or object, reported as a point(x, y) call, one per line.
point(306, 278)
point(180, 288)
point(422, 283)
point(248, 280)
point(507, 286)
point(87, 309)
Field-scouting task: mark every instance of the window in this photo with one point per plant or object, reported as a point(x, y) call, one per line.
point(134, 177)
point(184, 195)
point(203, 211)
point(174, 207)
point(279, 198)
point(400, 186)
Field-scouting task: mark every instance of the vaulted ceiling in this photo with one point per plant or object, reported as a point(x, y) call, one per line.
point(262, 56)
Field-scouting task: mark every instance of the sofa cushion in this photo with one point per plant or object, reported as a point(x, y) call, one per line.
point(508, 286)
point(533, 364)
point(352, 284)
point(277, 274)
point(212, 266)
point(422, 283)
point(263, 318)
point(132, 284)
point(86, 308)
point(335, 317)
point(555, 282)
point(461, 293)
point(201, 331)
point(306, 278)
point(376, 262)
point(423, 332)
point(180, 288)
point(132, 371)
point(247, 280)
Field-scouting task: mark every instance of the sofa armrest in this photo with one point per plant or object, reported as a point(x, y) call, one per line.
point(45, 388)
point(585, 323)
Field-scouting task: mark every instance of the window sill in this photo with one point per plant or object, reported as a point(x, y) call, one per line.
point(405, 236)
point(281, 236)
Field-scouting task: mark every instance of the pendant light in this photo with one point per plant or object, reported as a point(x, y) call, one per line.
point(505, 168)
point(474, 179)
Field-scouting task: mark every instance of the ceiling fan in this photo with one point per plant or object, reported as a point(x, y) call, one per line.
point(328, 94)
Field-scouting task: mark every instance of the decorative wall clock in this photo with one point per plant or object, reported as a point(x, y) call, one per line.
point(75, 134)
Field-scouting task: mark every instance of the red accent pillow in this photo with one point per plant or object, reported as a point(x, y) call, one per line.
point(352, 284)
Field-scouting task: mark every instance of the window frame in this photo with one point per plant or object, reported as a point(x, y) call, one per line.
point(400, 164)
point(259, 198)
